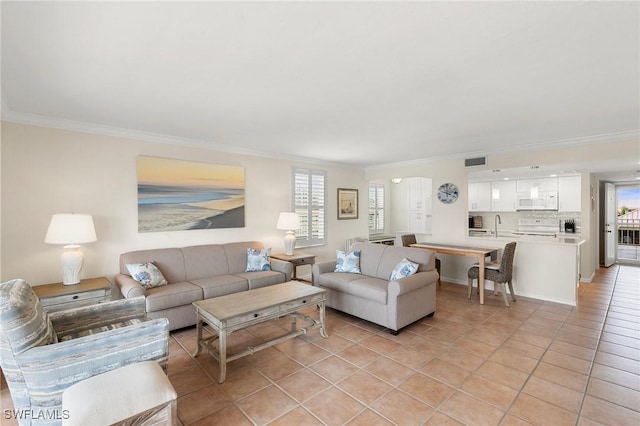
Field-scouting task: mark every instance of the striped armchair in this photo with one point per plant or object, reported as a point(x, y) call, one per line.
point(42, 354)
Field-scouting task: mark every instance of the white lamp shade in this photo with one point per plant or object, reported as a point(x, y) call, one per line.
point(70, 228)
point(288, 221)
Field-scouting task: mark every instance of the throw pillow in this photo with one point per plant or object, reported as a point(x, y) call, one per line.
point(348, 262)
point(403, 269)
point(258, 260)
point(147, 274)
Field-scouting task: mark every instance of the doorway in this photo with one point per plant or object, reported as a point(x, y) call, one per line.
point(628, 224)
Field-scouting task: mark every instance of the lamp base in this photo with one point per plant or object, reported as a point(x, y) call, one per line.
point(71, 261)
point(289, 243)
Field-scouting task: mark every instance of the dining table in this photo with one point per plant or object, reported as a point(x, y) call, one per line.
point(481, 253)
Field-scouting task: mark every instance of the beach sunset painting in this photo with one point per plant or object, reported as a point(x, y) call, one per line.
point(178, 195)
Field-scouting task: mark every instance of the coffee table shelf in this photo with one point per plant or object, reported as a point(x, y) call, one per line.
point(226, 314)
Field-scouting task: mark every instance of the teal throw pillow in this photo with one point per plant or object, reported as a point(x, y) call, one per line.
point(403, 269)
point(147, 274)
point(348, 262)
point(258, 260)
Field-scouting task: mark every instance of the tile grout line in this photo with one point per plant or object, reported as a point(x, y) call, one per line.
point(595, 354)
point(615, 284)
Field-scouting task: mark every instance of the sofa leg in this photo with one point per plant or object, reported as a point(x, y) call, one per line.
point(394, 332)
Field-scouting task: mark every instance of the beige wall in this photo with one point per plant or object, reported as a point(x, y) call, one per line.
point(449, 219)
point(47, 171)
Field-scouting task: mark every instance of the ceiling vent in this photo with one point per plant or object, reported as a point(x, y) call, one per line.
point(478, 161)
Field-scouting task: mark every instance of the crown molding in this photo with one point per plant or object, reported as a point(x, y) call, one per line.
point(558, 143)
point(98, 129)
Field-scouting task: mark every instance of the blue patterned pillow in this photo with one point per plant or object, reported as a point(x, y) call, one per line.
point(147, 274)
point(348, 262)
point(258, 260)
point(403, 269)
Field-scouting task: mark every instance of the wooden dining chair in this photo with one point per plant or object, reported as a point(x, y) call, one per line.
point(408, 239)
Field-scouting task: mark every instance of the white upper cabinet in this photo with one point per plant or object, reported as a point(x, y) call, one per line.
point(419, 205)
point(569, 196)
point(479, 196)
point(543, 184)
point(419, 192)
point(503, 196)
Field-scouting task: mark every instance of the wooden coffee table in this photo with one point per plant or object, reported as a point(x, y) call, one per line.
point(226, 314)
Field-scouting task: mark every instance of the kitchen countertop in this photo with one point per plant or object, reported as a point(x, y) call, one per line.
point(507, 235)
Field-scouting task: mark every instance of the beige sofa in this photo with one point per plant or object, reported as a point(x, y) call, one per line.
point(372, 296)
point(196, 273)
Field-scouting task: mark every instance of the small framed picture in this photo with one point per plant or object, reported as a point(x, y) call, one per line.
point(347, 203)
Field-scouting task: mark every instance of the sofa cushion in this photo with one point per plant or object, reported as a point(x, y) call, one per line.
point(236, 254)
point(403, 269)
point(370, 255)
point(379, 260)
point(348, 261)
point(205, 261)
point(147, 274)
point(101, 329)
point(262, 278)
point(363, 286)
point(258, 260)
point(221, 285)
point(170, 261)
point(170, 296)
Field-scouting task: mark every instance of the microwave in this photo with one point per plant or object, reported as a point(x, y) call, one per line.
point(546, 200)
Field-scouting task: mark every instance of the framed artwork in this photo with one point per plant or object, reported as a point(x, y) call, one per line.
point(178, 195)
point(347, 203)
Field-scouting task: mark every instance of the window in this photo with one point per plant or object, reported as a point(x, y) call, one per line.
point(376, 208)
point(309, 202)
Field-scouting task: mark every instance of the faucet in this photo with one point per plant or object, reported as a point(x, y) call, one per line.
point(497, 221)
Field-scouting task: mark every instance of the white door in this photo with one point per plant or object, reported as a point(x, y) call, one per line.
point(610, 232)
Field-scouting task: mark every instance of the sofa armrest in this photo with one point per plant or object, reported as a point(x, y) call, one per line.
point(50, 369)
point(282, 266)
point(322, 268)
point(129, 287)
point(412, 282)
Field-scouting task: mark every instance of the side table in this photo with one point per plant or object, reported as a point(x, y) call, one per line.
point(58, 297)
point(296, 259)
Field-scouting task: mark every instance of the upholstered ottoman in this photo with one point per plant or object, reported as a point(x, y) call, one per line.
point(138, 393)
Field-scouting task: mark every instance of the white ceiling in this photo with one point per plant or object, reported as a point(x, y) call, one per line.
point(359, 83)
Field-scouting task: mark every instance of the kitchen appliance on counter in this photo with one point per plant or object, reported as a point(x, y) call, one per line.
point(541, 227)
point(475, 222)
point(570, 226)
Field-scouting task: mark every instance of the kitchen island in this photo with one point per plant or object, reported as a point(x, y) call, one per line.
point(545, 268)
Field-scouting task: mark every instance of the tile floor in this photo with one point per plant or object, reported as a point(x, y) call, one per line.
point(534, 363)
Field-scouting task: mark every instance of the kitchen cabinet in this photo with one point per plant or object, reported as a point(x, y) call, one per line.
point(419, 192)
point(569, 195)
point(419, 222)
point(419, 205)
point(543, 184)
point(479, 196)
point(503, 196)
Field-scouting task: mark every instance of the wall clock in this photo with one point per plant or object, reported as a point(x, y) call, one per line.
point(448, 193)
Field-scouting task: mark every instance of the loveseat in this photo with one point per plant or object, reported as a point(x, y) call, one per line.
point(372, 295)
point(195, 273)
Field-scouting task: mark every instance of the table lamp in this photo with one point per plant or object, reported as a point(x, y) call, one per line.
point(289, 221)
point(71, 230)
